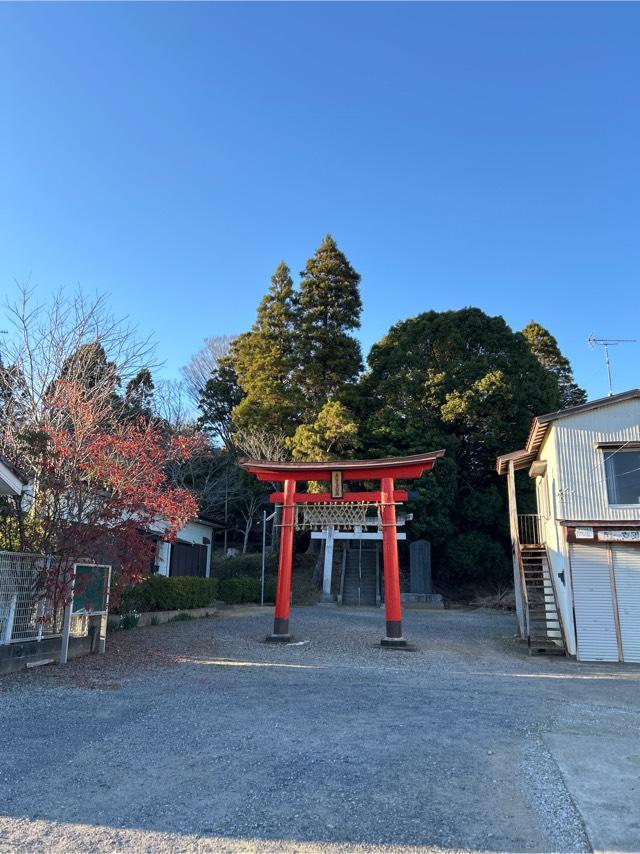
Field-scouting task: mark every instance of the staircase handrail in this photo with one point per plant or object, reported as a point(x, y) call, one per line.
point(523, 587)
point(529, 523)
point(342, 575)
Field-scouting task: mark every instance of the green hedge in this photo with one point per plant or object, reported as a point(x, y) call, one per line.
point(235, 591)
point(245, 566)
point(159, 593)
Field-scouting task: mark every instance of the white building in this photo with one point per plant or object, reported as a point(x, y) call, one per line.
point(11, 481)
point(190, 554)
point(577, 561)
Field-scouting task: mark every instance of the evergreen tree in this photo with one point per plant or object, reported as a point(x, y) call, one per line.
point(329, 308)
point(462, 381)
point(89, 366)
point(264, 360)
point(138, 397)
point(219, 398)
point(334, 433)
point(546, 350)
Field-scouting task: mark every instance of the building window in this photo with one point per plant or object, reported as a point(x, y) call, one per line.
point(622, 470)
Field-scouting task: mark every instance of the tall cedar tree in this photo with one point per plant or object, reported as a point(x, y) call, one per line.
point(329, 308)
point(545, 348)
point(264, 360)
point(218, 400)
point(138, 398)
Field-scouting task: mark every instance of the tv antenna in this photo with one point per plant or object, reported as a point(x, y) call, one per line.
point(606, 343)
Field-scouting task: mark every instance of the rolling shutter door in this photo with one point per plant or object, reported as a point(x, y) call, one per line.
point(626, 568)
point(593, 603)
point(188, 559)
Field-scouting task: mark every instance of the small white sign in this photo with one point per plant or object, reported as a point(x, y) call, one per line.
point(632, 536)
point(584, 533)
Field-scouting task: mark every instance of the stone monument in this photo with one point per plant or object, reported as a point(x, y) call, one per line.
point(421, 588)
point(420, 567)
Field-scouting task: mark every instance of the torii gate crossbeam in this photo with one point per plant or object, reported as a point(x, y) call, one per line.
point(386, 471)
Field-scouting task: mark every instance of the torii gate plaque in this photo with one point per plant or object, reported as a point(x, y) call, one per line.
point(386, 471)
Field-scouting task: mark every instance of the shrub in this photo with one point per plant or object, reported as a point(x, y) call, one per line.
point(159, 593)
point(129, 621)
point(246, 566)
point(235, 591)
point(182, 617)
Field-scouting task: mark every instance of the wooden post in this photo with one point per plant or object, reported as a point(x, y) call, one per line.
point(283, 590)
point(393, 609)
point(515, 549)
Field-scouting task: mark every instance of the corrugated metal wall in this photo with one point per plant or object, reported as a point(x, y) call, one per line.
point(593, 603)
point(626, 567)
point(582, 487)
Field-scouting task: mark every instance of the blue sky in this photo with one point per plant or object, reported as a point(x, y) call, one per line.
point(460, 154)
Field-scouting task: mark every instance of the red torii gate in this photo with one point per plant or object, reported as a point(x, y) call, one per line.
point(386, 470)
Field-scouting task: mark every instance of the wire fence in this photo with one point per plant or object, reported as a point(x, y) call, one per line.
point(25, 611)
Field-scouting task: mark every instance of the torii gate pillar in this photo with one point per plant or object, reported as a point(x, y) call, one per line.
point(285, 563)
point(386, 471)
point(392, 606)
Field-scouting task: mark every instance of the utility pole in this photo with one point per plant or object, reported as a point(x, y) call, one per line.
point(226, 508)
point(265, 519)
point(606, 343)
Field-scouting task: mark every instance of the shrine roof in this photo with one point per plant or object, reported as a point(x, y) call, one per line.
point(400, 467)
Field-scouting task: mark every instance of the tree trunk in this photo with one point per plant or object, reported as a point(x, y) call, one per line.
point(20, 518)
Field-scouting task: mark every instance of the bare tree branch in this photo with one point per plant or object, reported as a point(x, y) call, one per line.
point(261, 444)
point(171, 404)
point(63, 338)
point(202, 364)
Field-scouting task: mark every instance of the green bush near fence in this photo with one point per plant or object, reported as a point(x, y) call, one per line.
point(235, 591)
point(159, 593)
point(245, 566)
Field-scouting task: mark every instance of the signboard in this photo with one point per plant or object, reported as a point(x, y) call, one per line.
point(336, 484)
point(90, 590)
point(584, 533)
point(631, 536)
point(89, 598)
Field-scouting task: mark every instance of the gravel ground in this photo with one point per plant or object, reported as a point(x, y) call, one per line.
point(199, 737)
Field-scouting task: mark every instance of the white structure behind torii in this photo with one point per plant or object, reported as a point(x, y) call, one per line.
point(330, 535)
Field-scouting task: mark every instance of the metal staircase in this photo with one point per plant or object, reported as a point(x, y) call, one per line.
point(545, 632)
point(359, 582)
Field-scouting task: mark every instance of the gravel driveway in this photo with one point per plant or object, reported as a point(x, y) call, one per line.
point(199, 737)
